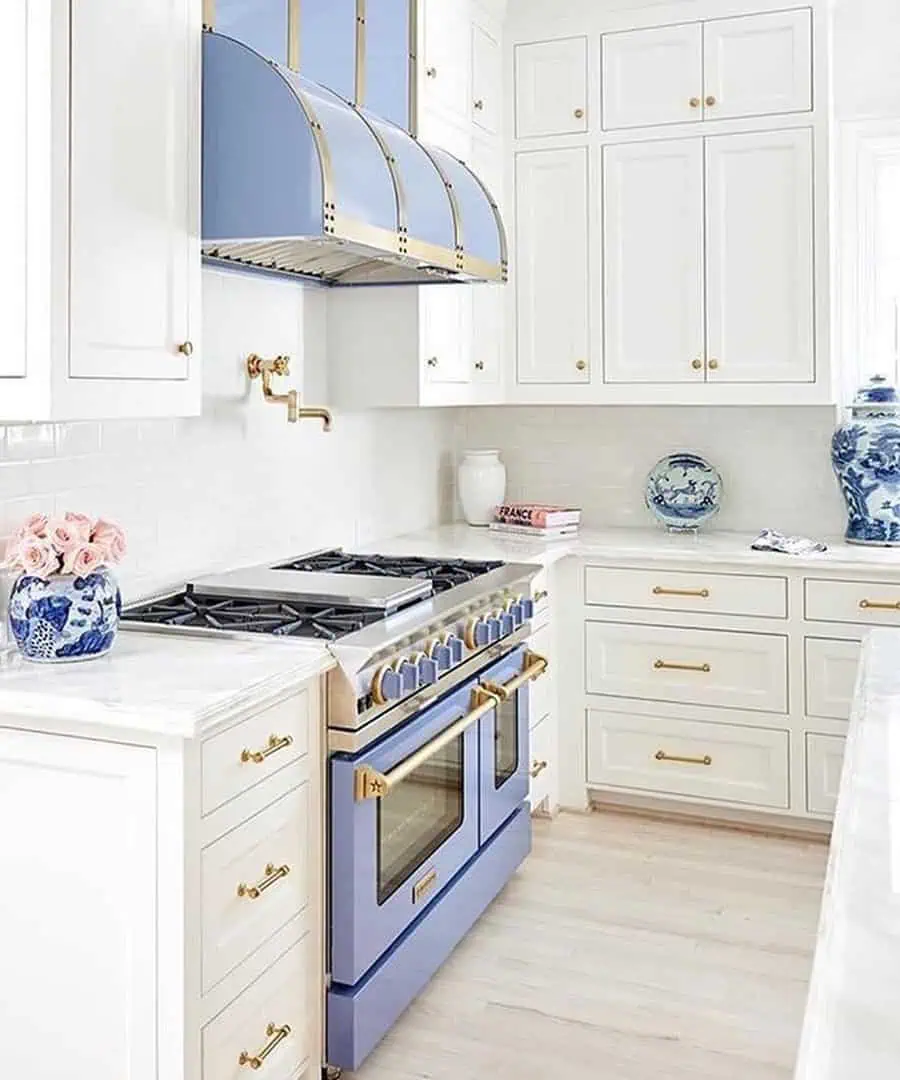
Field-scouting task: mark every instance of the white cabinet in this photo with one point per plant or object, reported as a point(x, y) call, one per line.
point(108, 230)
point(487, 80)
point(830, 667)
point(824, 763)
point(759, 272)
point(444, 62)
point(552, 300)
point(78, 914)
point(446, 334)
point(653, 265)
point(551, 87)
point(758, 64)
point(653, 76)
point(721, 69)
point(15, 69)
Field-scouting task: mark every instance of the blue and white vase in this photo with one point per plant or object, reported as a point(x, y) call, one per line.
point(865, 453)
point(64, 618)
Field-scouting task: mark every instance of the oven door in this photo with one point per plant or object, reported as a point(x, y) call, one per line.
point(504, 739)
point(404, 820)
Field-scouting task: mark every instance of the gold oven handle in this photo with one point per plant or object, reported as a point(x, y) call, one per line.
point(276, 1035)
point(368, 783)
point(535, 666)
point(275, 743)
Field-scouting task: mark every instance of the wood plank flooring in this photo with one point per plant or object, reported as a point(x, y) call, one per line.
point(625, 949)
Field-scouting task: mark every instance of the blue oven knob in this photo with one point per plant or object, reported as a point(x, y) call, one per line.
point(428, 671)
point(507, 623)
point(456, 647)
point(441, 654)
point(409, 676)
point(386, 686)
point(527, 607)
point(517, 611)
point(482, 634)
point(493, 625)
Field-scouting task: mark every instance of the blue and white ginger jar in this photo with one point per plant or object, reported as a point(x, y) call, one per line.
point(64, 618)
point(865, 453)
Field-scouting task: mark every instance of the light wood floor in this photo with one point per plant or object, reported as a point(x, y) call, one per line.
point(625, 949)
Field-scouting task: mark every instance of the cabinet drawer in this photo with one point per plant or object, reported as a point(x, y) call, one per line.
point(661, 590)
point(824, 762)
point(544, 761)
point(269, 850)
point(543, 690)
point(695, 667)
point(830, 676)
point(866, 602)
point(227, 759)
point(277, 1000)
point(725, 762)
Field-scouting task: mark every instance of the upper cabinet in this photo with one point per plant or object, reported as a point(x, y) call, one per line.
point(487, 82)
point(551, 87)
point(721, 69)
point(105, 236)
point(444, 60)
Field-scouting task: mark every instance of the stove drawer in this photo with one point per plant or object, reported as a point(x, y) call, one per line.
point(254, 880)
point(237, 759)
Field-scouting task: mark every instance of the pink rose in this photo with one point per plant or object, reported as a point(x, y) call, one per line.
point(80, 524)
point(64, 536)
point(36, 556)
point(84, 560)
point(34, 525)
point(111, 538)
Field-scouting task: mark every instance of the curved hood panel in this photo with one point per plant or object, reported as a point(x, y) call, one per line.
point(296, 180)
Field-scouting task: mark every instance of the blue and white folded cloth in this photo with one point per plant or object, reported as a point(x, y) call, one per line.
point(769, 540)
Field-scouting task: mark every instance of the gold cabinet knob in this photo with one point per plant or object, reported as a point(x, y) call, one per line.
point(694, 103)
point(710, 99)
point(580, 365)
point(696, 363)
point(186, 348)
point(432, 361)
point(713, 364)
point(431, 72)
point(479, 365)
point(479, 104)
point(579, 114)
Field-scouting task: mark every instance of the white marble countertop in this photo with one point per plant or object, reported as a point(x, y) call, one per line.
point(852, 1025)
point(634, 545)
point(160, 684)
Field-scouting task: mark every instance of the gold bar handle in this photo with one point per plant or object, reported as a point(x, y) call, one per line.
point(540, 595)
point(535, 666)
point(273, 873)
point(537, 767)
point(661, 755)
point(275, 743)
point(276, 1036)
point(368, 783)
point(671, 665)
point(662, 590)
point(880, 605)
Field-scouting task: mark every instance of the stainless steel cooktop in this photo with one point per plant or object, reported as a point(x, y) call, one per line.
point(386, 593)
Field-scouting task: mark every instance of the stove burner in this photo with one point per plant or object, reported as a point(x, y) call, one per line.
point(294, 618)
point(443, 573)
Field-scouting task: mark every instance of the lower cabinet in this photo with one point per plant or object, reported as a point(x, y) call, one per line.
point(824, 762)
point(721, 761)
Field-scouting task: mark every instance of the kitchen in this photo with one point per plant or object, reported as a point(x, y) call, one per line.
point(128, 395)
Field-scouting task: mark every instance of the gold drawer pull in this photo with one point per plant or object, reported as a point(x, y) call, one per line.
point(662, 590)
point(661, 755)
point(540, 595)
point(880, 605)
point(273, 873)
point(535, 666)
point(671, 665)
point(537, 768)
point(275, 743)
point(276, 1035)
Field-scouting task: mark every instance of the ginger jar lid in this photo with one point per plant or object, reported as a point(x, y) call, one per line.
point(877, 395)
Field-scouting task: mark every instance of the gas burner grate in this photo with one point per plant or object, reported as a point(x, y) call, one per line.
point(443, 573)
point(284, 618)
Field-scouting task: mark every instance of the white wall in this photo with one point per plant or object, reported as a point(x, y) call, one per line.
point(774, 461)
point(866, 79)
point(238, 484)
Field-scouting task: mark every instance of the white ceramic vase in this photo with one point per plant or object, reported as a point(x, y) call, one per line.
point(481, 481)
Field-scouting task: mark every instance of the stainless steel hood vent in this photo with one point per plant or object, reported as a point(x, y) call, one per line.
point(296, 180)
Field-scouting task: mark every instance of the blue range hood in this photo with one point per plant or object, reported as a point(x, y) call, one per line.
point(298, 181)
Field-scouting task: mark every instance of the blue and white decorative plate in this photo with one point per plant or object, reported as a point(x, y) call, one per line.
point(683, 490)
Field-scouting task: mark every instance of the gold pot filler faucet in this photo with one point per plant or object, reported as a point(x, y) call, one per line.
point(258, 367)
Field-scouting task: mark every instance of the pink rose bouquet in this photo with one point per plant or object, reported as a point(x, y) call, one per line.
point(69, 544)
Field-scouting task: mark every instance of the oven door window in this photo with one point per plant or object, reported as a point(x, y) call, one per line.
point(418, 815)
point(506, 741)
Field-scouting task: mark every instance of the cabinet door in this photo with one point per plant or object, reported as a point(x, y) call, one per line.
point(445, 332)
point(78, 911)
point(487, 104)
point(758, 64)
point(759, 206)
point(653, 76)
point(653, 262)
point(551, 87)
point(553, 330)
point(446, 39)
point(14, 204)
point(134, 190)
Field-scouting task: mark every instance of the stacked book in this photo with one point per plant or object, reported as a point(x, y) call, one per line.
point(536, 519)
